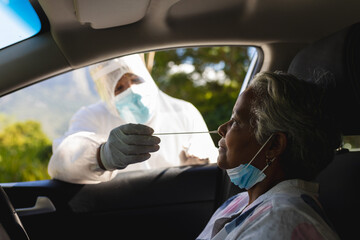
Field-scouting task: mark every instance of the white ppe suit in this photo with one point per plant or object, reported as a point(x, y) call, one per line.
point(74, 154)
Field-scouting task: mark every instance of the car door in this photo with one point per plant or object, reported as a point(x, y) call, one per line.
point(171, 203)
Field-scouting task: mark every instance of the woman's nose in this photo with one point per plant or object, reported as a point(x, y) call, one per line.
point(222, 130)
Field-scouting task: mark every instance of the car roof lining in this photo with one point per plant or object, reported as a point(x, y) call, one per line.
point(166, 25)
point(248, 23)
point(109, 13)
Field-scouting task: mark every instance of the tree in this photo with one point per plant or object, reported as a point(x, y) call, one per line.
point(24, 152)
point(214, 97)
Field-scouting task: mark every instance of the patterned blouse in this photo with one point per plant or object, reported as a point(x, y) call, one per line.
point(289, 210)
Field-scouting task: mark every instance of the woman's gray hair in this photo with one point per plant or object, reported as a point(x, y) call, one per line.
point(298, 109)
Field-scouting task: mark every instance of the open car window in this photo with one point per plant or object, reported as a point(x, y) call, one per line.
point(31, 119)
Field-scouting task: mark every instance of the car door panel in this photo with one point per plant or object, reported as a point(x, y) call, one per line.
point(173, 203)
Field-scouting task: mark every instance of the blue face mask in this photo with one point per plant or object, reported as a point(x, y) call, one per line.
point(130, 107)
point(246, 176)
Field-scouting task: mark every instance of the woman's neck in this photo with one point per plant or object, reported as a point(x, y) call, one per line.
point(263, 186)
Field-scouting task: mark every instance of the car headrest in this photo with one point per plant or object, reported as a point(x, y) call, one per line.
point(335, 62)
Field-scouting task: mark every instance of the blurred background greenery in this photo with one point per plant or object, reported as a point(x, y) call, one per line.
point(213, 84)
point(209, 77)
point(24, 152)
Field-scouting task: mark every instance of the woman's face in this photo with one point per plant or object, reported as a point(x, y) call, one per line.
point(126, 81)
point(238, 144)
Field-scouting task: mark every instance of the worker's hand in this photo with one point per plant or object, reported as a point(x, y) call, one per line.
point(187, 159)
point(127, 144)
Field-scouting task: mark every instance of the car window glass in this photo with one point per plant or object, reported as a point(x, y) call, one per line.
point(18, 21)
point(32, 118)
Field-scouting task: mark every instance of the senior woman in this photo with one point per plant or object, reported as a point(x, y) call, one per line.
point(279, 137)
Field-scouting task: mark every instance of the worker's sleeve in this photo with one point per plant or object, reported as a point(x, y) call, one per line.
point(74, 154)
point(74, 160)
point(201, 145)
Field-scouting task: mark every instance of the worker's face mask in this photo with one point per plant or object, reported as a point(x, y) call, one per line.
point(246, 176)
point(130, 107)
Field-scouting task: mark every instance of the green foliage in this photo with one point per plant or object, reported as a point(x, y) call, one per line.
point(24, 152)
point(214, 98)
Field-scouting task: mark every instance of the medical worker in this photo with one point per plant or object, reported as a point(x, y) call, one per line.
point(274, 145)
point(115, 134)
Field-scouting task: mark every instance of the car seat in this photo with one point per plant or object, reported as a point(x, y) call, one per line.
point(337, 59)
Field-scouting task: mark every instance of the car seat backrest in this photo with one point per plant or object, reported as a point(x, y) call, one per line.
point(339, 193)
point(335, 61)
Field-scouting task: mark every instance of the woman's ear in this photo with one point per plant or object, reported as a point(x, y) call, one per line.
point(277, 146)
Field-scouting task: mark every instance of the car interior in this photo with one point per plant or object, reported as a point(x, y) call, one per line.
point(310, 39)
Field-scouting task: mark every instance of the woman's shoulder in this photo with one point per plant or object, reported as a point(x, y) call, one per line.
point(294, 208)
point(288, 199)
